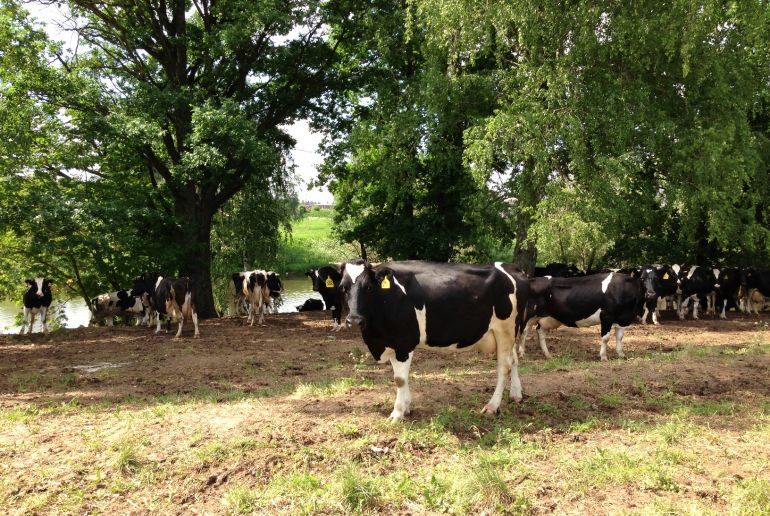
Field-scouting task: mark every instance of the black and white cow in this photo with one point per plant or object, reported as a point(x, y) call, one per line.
point(657, 281)
point(695, 283)
point(610, 300)
point(728, 282)
point(402, 305)
point(326, 281)
point(123, 302)
point(257, 293)
point(37, 299)
point(275, 286)
point(169, 298)
point(237, 304)
point(311, 305)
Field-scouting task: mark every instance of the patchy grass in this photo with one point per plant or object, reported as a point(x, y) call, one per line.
point(194, 430)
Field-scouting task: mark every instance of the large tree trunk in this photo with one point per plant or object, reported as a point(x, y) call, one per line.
point(194, 244)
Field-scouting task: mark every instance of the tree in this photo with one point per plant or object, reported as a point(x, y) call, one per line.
point(187, 100)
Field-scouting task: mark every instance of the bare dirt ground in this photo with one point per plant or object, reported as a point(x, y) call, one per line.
point(289, 417)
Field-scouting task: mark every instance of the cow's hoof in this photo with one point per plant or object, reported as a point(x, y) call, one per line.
point(603, 358)
point(548, 356)
point(196, 336)
point(622, 356)
point(695, 318)
point(490, 409)
point(395, 417)
point(517, 399)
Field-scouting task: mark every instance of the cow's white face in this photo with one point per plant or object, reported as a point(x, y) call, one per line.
point(39, 283)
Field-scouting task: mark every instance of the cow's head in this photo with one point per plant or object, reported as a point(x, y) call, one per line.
point(256, 279)
point(374, 290)
point(39, 286)
point(650, 281)
point(747, 277)
point(312, 274)
point(274, 282)
point(145, 283)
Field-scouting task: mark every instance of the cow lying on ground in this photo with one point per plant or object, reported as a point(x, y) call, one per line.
point(402, 305)
point(169, 298)
point(123, 302)
point(37, 299)
point(311, 305)
point(326, 281)
point(750, 301)
point(610, 300)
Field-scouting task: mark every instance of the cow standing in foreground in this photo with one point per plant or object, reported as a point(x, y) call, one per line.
point(37, 299)
point(610, 300)
point(257, 293)
point(123, 302)
point(326, 281)
point(402, 305)
point(170, 298)
point(275, 287)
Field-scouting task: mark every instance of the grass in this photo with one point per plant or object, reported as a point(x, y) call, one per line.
point(312, 243)
point(329, 388)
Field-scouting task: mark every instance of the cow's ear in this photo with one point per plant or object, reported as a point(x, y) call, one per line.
point(236, 275)
point(29, 282)
point(122, 294)
point(48, 282)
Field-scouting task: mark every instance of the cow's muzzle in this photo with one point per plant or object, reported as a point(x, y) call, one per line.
point(650, 296)
point(355, 319)
point(39, 294)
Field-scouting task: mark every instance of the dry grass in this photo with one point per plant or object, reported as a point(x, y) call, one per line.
point(681, 427)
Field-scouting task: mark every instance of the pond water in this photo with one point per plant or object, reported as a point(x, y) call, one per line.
point(296, 291)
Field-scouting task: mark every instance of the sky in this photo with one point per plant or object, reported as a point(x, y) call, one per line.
point(305, 155)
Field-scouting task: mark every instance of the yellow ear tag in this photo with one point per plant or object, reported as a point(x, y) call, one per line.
point(385, 282)
point(665, 276)
point(329, 282)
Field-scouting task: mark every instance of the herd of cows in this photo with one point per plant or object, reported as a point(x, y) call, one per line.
point(400, 306)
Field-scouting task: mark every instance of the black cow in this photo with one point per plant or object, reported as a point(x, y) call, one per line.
point(402, 305)
point(559, 270)
point(170, 298)
point(758, 279)
point(326, 281)
point(311, 305)
point(611, 300)
point(695, 283)
point(37, 299)
point(728, 282)
point(657, 281)
point(105, 307)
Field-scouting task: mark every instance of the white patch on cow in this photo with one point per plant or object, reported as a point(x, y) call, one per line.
point(716, 273)
point(422, 323)
point(160, 278)
point(402, 405)
point(499, 265)
point(644, 314)
point(619, 331)
point(606, 282)
point(676, 268)
point(399, 285)
point(354, 271)
point(691, 271)
point(39, 282)
point(591, 320)
point(315, 273)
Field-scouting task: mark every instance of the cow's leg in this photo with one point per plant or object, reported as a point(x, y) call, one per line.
point(695, 306)
point(32, 315)
point(541, 339)
point(710, 303)
point(723, 315)
point(516, 394)
point(505, 361)
point(403, 404)
point(619, 331)
point(261, 313)
point(110, 321)
point(644, 314)
point(24, 321)
point(606, 327)
point(197, 334)
point(157, 328)
point(44, 319)
point(683, 308)
point(655, 316)
point(179, 330)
